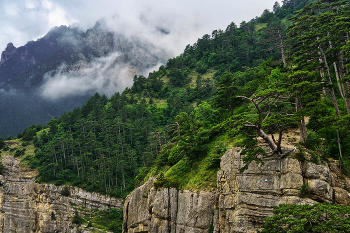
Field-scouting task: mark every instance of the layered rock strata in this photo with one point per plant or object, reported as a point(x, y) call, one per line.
point(28, 207)
point(241, 200)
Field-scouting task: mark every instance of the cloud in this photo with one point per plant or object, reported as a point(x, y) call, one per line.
point(25, 20)
point(102, 76)
point(185, 20)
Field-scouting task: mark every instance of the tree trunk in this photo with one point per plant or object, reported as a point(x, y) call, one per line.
point(282, 49)
point(268, 140)
point(345, 87)
point(302, 126)
point(340, 154)
point(338, 80)
point(334, 99)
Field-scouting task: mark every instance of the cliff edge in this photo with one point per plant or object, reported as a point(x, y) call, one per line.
point(28, 207)
point(241, 200)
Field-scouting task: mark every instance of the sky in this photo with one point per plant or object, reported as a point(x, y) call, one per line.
point(186, 20)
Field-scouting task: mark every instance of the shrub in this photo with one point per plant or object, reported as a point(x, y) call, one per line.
point(175, 156)
point(117, 216)
point(312, 140)
point(160, 182)
point(320, 217)
point(142, 174)
point(304, 191)
point(215, 158)
point(77, 219)
point(65, 191)
point(19, 153)
point(53, 217)
point(214, 161)
point(300, 154)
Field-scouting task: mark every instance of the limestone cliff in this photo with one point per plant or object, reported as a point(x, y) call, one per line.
point(27, 207)
point(241, 200)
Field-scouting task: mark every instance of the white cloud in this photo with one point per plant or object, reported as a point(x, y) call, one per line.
point(29, 4)
point(101, 76)
point(186, 20)
point(11, 9)
point(25, 20)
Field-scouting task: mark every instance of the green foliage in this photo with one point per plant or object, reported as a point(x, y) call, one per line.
point(175, 155)
point(116, 215)
point(19, 152)
point(29, 133)
point(312, 140)
point(65, 191)
point(304, 191)
point(225, 97)
point(142, 174)
point(320, 217)
point(252, 152)
point(160, 181)
point(76, 219)
point(216, 154)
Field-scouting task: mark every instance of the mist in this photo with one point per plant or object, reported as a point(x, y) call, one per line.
point(102, 75)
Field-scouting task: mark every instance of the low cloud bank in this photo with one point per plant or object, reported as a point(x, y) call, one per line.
point(102, 75)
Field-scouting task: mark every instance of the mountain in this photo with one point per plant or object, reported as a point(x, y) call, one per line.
point(98, 59)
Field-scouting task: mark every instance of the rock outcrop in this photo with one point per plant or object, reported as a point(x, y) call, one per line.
point(27, 207)
point(241, 200)
point(168, 210)
point(9, 52)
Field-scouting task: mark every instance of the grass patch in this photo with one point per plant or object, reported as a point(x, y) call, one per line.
point(195, 174)
point(105, 221)
point(260, 26)
point(160, 103)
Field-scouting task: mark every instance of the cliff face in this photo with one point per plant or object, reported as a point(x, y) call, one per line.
point(241, 200)
point(27, 207)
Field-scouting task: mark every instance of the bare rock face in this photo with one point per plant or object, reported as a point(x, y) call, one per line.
point(241, 201)
point(28, 207)
point(246, 198)
point(167, 210)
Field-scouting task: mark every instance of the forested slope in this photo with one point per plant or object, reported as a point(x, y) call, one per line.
point(181, 118)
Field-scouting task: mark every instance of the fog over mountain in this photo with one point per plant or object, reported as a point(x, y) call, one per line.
point(63, 69)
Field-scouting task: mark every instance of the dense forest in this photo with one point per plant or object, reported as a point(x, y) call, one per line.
point(228, 89)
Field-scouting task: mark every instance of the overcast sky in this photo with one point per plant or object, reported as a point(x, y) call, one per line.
point(186, 20)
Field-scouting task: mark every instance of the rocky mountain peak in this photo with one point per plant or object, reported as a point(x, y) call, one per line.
point(9, 52)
